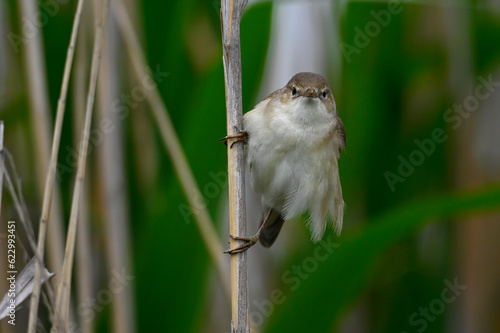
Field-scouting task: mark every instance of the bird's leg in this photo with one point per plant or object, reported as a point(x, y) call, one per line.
point(240, 136)
point(249, 241)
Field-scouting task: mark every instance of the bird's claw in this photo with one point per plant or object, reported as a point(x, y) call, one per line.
point(249, 242)
point(240, 136)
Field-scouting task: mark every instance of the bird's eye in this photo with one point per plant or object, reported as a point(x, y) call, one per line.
point(294, 91)
point(324, 94)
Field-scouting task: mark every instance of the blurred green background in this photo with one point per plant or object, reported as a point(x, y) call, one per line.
point(419, 251)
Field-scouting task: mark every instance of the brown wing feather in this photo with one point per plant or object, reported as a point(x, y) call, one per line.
point(274, 221)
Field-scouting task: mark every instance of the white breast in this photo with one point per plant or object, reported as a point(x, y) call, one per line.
point(292, 155)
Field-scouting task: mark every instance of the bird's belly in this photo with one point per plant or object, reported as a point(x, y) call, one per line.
point(288, 172)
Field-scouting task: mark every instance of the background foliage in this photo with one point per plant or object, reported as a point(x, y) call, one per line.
point(399, 244)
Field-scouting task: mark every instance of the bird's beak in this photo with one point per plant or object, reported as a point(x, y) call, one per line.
point(310, 92)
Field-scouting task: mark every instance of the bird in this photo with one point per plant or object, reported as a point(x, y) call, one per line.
point(293, 141)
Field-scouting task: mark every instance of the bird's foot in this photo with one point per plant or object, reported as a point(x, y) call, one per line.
point(249, 242)
point(240, 136)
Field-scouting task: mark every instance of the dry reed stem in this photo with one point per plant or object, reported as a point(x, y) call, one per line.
point(41, 121)
point(19, 202)
point(63, 292)
point(173, 147)
point(13, 184)
point(24, 217)
point(232, 11)
point(84, 253)
point(111, 164)
point(51, 172)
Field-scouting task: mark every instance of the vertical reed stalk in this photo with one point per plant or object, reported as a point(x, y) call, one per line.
point(84, 251)
point(51, 173)
point(232, 11)
point(63, 292)
point(111, 164)
point(36, 75)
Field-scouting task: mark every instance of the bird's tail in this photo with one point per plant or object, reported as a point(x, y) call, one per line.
point(273, 222)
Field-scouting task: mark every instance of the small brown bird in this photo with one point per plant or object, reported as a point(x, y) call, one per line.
point(294, 140)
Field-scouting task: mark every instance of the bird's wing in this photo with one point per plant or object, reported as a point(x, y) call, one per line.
point(274, 221)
